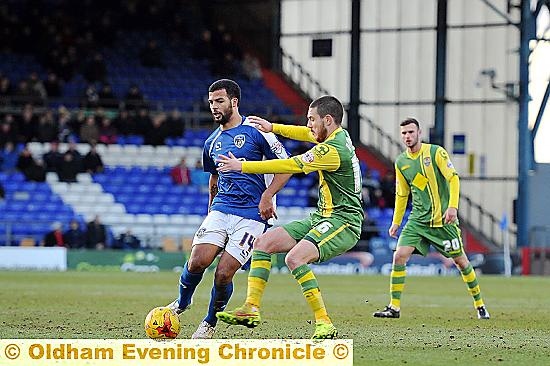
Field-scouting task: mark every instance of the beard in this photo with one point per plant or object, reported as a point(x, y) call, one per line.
point(321, 136)
point(224, 117)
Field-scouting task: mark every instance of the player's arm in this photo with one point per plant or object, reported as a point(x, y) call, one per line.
point(446, 168)
point(320, 157)
point(402, 191)
point(300, 133)
point(212, 188)
point(265, 207)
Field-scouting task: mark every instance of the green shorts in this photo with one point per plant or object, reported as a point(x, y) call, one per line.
point(446, 239)
point(331, 236)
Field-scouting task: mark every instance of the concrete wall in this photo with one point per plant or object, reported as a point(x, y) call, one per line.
point(399, 66)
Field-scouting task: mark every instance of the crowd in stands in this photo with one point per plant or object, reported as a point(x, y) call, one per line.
point(94, 236)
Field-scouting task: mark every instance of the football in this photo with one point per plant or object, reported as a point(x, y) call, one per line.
point(162, 323)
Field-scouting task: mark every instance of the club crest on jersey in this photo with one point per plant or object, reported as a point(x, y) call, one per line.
point(200, 233)
point(427, 161)
point(308, 157)
point(239, 141)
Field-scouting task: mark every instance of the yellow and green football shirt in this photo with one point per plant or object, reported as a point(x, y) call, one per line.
point(338, 167)
point(433, 181)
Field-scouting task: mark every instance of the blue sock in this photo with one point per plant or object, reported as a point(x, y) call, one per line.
point(219, 297)
point(188, 284)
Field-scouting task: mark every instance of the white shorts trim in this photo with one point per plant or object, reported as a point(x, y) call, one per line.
point(233, 233)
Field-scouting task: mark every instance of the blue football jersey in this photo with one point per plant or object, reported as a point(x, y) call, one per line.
point(238, 193)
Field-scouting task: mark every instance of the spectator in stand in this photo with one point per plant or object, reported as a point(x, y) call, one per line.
point(9, 157)
point(203, 48)
point(54, 238)
point(31, 169)
point(134, 99)
point(53, 158)
point(387, 185)
point(7, 131)
point(127, 240)
point(251, 67)
point(68, 169)
point(95, 70)
point(64, 128)
point(198, 176)
point(107, 98)
point(53, 85)
point(151, 55)
point(107, 132)
point(47, 129)
point(25, 95)
point(91, 97)
point(37, 86)
point(26, 128)
point(96, 234)
point(77, 157)
point(174, 124)
point(157, 131)
point(181, 175)
point(92, 161)
point(143, 122)
point(125, 124)
point(2, 193)
point(77, 121)
point(370, 186)
point(75, 237)
point(6, 90)
point(89, 132)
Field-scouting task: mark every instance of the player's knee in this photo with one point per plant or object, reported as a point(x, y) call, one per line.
point(292, 262)
point(400, 258)
point(196, 265)
point(264, 244)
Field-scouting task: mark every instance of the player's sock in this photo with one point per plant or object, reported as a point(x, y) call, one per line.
point(469, 277)
point(188, 284)
point(397, 284)
point(310, 288)
point(218, 300)
point(258, 277)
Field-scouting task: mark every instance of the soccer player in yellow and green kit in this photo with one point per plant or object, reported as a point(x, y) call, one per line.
point(331, 230)
point(427, 172)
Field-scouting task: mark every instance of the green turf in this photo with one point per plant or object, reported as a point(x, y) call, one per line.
point(438, 325)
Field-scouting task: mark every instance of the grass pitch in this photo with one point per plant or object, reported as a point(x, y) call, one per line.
point(437, 326)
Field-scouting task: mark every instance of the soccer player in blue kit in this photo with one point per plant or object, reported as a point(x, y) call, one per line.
point(240, 204)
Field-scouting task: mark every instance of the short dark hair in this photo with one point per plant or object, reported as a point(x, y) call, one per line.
point(232, 89)
point(327, 104)
point(408, 121)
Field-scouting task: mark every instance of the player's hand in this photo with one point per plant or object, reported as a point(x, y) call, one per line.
point(229, 163)
point(392, 231)
point(261, 124)
point(451, 215)
point(266, 208)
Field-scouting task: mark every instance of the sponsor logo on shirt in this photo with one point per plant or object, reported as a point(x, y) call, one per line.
point(239, 141)
point(308, 157)
point(321, 150)
point(218, 146)
point(277, 147)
